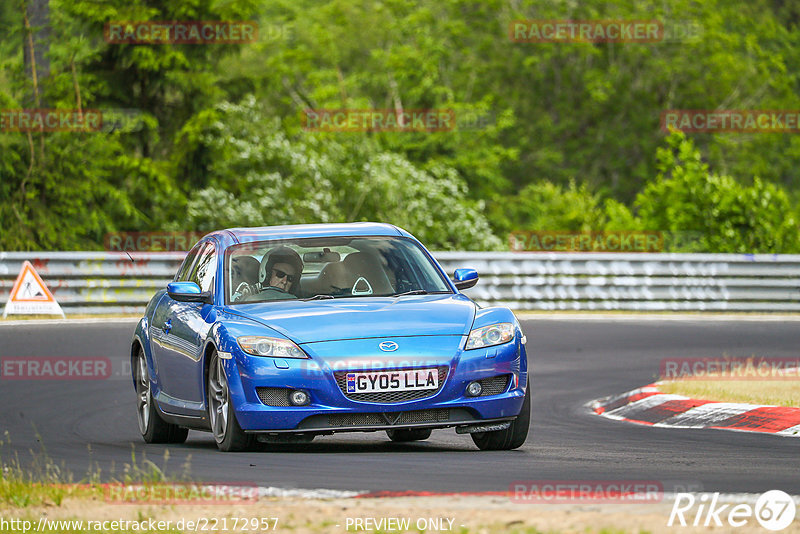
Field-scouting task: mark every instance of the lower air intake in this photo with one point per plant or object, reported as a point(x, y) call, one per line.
point(494, 386)
point(439, 415)
point(274, 396)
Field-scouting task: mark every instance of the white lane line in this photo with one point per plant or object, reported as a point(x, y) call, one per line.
point(104, 320)
point(344, 494)
point(791, 431)
point(652, 316)
point(307, 493)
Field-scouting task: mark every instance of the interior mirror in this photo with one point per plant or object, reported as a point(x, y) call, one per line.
point(188, 292)
point(326, 256)
point(465, 278)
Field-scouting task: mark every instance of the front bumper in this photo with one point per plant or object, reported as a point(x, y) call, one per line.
point(330, 409)
point(323, 424)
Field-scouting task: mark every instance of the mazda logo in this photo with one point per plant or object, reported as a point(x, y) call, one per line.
point(388, 346)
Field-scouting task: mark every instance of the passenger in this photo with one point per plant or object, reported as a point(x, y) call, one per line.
point(244, 276)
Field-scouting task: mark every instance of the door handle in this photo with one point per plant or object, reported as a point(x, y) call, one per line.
point(168, 326)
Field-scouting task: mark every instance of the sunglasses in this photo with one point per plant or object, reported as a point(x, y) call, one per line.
point(280, 274)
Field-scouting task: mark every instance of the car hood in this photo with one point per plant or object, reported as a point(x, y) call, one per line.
point(363, 317)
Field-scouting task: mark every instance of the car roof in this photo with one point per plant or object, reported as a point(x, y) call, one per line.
point(293, 231)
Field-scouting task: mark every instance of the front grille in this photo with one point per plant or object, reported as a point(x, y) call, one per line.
point(389, 397)
point(494, 385)
point(356, 419)
point(438, 415)
point(273, 396)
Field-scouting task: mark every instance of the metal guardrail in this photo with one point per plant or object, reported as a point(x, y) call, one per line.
point(649, 282)
point(111, 283)
point(95, 282)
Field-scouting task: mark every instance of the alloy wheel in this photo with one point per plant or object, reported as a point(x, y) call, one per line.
point(218, 399)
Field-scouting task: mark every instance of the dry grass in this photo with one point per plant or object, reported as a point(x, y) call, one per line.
point(769, 392)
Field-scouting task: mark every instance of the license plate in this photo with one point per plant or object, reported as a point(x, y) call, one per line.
point(372, 381)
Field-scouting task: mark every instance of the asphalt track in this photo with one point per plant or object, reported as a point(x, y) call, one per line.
point(90, 426)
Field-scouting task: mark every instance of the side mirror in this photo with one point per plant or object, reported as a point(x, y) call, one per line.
point(188, 292)
point(465, 278)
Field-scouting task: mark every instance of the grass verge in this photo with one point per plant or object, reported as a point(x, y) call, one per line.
point(40, 481)
point(769, 392)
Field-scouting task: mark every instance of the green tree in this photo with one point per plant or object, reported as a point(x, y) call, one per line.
point(260, 176)
point(547, 206)
point(727, 216)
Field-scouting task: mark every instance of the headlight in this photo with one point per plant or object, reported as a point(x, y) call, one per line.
point(270, 346)
point(487, 336)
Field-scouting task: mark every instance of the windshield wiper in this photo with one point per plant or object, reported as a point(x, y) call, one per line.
point(412, 292)
point(318, 297)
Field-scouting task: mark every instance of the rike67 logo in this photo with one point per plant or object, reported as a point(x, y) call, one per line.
point(774, 510)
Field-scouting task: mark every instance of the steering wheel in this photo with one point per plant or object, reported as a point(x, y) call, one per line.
point(274, 288)
point(243, 290)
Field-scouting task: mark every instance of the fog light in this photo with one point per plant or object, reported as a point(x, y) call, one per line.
point(474, 389)
point(298, 398)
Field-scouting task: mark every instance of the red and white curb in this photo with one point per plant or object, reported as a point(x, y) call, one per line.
point(649, 406)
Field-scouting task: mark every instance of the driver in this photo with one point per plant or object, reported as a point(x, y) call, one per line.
point(282, 271)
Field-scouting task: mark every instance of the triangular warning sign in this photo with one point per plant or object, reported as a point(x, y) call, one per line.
point(30, 295)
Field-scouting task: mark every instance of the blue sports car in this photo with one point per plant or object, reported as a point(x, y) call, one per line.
point(281, 334)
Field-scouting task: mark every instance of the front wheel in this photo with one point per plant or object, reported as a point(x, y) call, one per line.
point(153, 428)
point(513, 436)
point(227, 433)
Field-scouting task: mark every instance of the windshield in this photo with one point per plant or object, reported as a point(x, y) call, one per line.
point(330, 267)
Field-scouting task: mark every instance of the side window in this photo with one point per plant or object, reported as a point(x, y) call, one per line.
point(183, 273)
point(205, 268)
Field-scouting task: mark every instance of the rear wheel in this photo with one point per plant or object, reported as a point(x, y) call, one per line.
point(510, 438)
point(409, 434)
point(227, 433)
point(153, 428)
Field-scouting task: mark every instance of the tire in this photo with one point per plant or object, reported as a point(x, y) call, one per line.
point(403, 435)
point(153, 428)
point(513, 436)
point(227, 433)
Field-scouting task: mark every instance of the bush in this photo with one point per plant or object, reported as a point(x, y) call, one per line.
point(725, 215)
point(258, 176)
